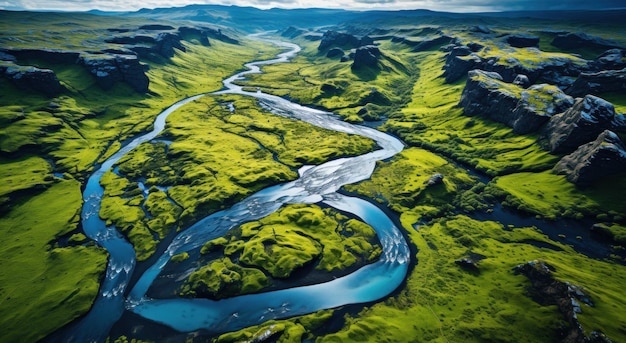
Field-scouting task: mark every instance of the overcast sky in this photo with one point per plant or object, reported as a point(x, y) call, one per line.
point(436, 5)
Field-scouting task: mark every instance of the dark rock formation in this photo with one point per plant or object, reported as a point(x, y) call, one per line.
point(7, 57)
point(522, 40)
point(457, 66)
point(582, 40)
point(618, 123)
point(435, 179)
point(580, 124)
point(335, 52)
point(162, 43)
point(522, 81)
point(595, 160)
point(109, 69)
point(597, 83)
point(156, 27)
point(48, 55)
point(481, 29)
point(166, 42)
point(201, 35)
point(366, 57)
point(475, 47)
point(32, 79)
point(612, 59)
point(548, 291)
point(485, 94)
point(344, 40)
point(430, 43)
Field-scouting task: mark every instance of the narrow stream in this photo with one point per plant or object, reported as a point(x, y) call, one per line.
point(316, 184)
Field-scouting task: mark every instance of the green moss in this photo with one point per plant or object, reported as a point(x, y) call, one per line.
point(41, 288)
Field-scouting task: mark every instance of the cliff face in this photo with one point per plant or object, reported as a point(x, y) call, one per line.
point(593, 161)
point(525, 110)
point(580, 124)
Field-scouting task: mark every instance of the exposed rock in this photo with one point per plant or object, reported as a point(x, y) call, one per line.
point(522, 40)
point(430, 43)
point(366, 57)
point(481, 29)
point(48, 55)
point(522, 81)
point(582, 40)
point(162, 44)
point(619, 123)
point(467, 264)
point(156, 27)
point(219, 35)
point(475, 47)
point(457, 67)
point(195, 32)
point(612, 59)
point(345, 40)
point(31, 78)
point(166, 42)
point(435, 179)
point(345, 58)
point(335, 52)
point(109, 69)
point(556, 78)
point(485, 94)
point(580, 124)
point(595, 160)
point(597, 83)
point(7, 57)
point(547, 291)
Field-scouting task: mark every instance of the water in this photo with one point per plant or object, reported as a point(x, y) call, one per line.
point(316, 184)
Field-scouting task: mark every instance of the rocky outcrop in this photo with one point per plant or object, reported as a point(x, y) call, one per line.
point(457, 66)
point(481, 29)
point(109, 69)
point(344, 40)
point(31, 78)
point(162, 44)
point(522, 40)
point(48, 55)
point(189, 32)
point(595, 160)
point(522, 81)
point(335, 52)
point(612, 59)
point(485, 94)
point(548, 291)
point(366, 57)
point(7, 57)
point(598, 83)
point(433, 42)
point(156, 27)
point(580, 124)
point(580, 40)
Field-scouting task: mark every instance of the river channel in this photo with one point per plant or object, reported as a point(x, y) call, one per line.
point(316, 184)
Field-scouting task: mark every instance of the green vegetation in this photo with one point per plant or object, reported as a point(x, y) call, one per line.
point(280, 244)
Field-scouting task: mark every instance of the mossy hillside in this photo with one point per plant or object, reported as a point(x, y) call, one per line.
point(312, 78)
point(281, 244)
point(402, 182)
point(443, 302)
point(549, 195)
point(432, 120)
point(43, 286)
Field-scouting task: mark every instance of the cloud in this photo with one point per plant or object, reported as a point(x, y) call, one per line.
point(437, 5)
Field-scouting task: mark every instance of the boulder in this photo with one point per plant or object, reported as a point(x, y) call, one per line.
point(32, 79)
point(522, 40)
point(109, 69)
point(435, 179)
point(522, 81)
point(598, 83)
point(612, 59)
point(335, 52)
point(580, 124)
point(524, 110)
point(457, 67)
point(594, 161)
point(580, 40)
point(344, 40)
point(366, 57)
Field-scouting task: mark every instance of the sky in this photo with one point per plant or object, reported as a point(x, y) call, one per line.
point(435, 5)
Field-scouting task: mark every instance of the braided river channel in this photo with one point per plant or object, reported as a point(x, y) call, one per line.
point(316, 184)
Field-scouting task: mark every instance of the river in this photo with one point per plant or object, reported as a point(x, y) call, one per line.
point(316, 184)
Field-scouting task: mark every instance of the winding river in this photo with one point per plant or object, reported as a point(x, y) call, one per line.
point(316, 184)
